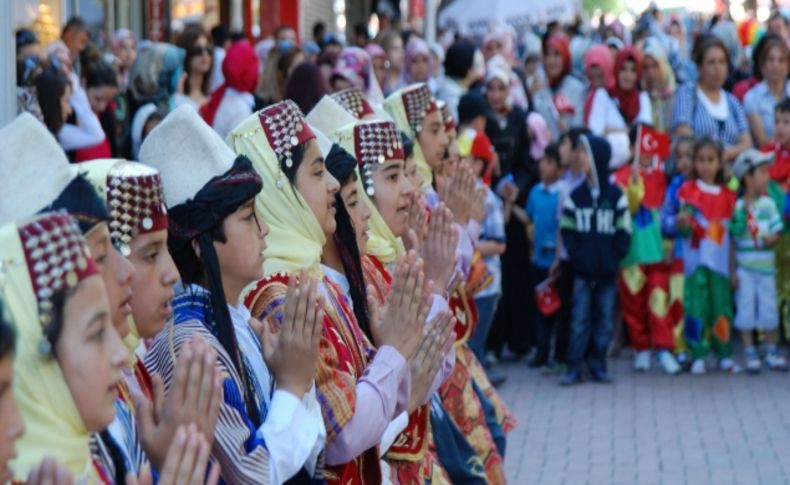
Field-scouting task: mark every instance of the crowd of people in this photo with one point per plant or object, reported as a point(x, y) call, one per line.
point(300, 261)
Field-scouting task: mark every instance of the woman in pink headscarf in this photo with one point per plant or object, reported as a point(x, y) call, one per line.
point(418, 66)
point(354, 69)
point(601, 112)
point(233, 101)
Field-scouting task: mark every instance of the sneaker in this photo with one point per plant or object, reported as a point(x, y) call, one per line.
point(752, 360)
point(600, 375)
point(728, 365)
point(553, 368)
point(774, 361)
point(684, 361)
point(642, 361)
point(698, 367)
point(573, 376)
point(668, 362)
point(536, 360)
point(492, 358)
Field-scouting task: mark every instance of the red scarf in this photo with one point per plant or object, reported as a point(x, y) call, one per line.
point(240, 69)
point(628, 100)
point(561, 44)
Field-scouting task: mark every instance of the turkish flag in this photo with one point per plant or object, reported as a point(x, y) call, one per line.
point(563, 104)
point(653, 142)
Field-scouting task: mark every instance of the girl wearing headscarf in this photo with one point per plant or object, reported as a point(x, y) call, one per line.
point(355, 65)
point(269, 428)
point(601, 112)
point(658, 80)
point(234, 100)
point(559, 103)
point(418, 66)
point(360, 387)
point(65, 385)
point(634, 104)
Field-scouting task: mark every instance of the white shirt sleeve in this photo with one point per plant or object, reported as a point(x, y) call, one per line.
point(293, 432)
point(88, 131)
point(598, 112)
point(645, 109)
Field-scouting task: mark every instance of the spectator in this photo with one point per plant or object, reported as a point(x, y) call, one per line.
point(463, 65)
point(704, 108)
point(560, 102)
point(543, 229)
point(75, 36)
point(124, 47)
point(306, 86)
point(756, 227)
point(101, 86)
point(392, 43)
point(319, 29)
point(777, 24)
point(379, 61)
point(418, 64)
point(233, 101)
point(596, 232)
point(601, 112)
point(706, 209)
point(283, 34)
point(197, 66)
point(220, 37)
point(27, 44)
point(772, 67)
point(658, 80)
point(280, 63)
point(361, 35)
point(634, 104)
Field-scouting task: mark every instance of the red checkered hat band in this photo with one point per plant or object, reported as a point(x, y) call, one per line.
point(353, 101)
point(57, 257)
point(418, 103)
point(285, 128)
point(136, 203)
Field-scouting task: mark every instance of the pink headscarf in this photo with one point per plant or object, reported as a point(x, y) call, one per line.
point(416, 47)
point(598, 55)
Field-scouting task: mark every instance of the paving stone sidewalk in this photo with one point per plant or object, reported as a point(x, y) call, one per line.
point(648, 428)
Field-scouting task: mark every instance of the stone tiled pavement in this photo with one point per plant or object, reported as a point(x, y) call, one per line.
point(648, 429)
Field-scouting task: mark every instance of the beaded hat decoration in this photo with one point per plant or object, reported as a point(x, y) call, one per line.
point(447, 116)
point(134, 197)
point(418, 103)
point(57, 257)
point(285, 128)
point(375, 142)
point(353, 101)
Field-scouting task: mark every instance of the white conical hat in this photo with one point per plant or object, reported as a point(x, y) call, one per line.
point(328, 115)
point(187, 152)
point(34, 169)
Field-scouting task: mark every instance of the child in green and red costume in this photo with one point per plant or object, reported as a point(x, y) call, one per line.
point(706, 209)
point(778, 190)
point(644, 276)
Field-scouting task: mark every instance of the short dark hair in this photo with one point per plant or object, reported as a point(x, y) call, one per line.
point(459, 60)
point(470, 106)
point(220, 34)
point(708, 142)
point(783, 106)
point(75, 24)
point(574, 135)
point(100, 73)
point(318, 29)
point(552, 152)
point(703, 44)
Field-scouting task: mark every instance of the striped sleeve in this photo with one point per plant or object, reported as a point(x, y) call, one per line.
point(243, 456)
point(776, 225)
point(684, 104)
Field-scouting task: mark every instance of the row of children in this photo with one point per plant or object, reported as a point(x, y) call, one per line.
point(689, 248)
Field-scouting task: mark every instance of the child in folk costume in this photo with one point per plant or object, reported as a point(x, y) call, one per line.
point(415, 112)
point(361, 388)
point(216, 237)
point(644, 278)
point(406, 444)
point(682, 149)
point(706, 208)
point(778, 189)
point(120, 447)
point(756, 227)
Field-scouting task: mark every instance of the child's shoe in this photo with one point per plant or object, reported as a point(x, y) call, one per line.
point(642, 361)
point(698, 367)
point(728, 365)
point(492, 358)
point(600, 375)
point(752, 360)
point(668, 362)
point(774, 361)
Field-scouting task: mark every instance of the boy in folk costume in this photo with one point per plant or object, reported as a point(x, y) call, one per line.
point(130, 292)
point(361, 387)
point(644, 279)
point(263, 434)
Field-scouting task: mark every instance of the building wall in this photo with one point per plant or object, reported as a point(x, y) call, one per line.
point(312, 12)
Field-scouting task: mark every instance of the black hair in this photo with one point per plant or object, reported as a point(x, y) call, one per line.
point(703, 44)
point(51, 86)
point(574, 135)
point(219, 35)
point(459, 59)
point(782, 106)
point(470, 106)
point(552, 152)
point(24, 38)
point(237, 36)
point(708, 142)
point(318, 29)
point(341, 165)
point(76, 24)
point(7, 333)
point(408, 145)
point(100, 73)
point(763, 48)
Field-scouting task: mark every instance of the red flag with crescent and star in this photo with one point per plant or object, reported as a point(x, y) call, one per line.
point(653, 142)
